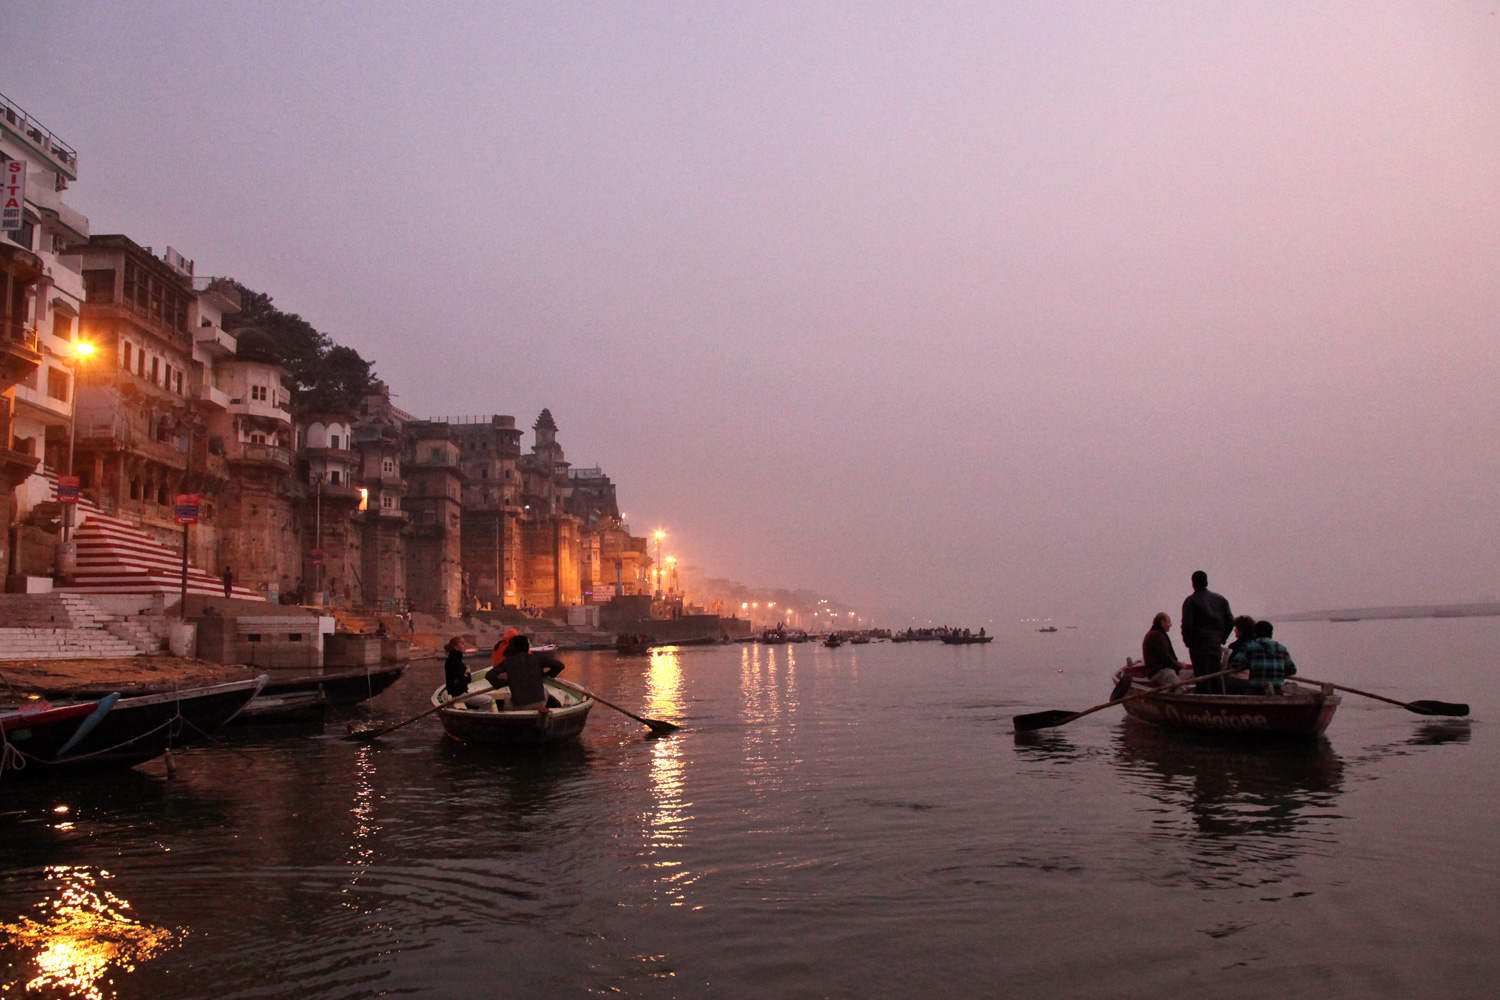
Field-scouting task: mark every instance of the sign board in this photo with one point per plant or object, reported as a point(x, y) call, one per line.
point(67, 489)
point(315, 557)
point(187, 508)
point(13, 196)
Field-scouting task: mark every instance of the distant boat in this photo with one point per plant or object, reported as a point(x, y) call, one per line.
point(859, 640)
point(1049, 628)
point(833, 641)
point(966, 640)
point(1336, 619)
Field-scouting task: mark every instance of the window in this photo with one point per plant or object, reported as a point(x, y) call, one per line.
point(140, 363)
point(333, 441)
point(484, 473)
point(24, 235)
point(62, 325)
point(387, 466)
point(385, 501)
point(156, 371)
point(252, 637)
point(179, 383)
point(333, 477)
point(257, 439)
point(57, 384)
point(99, 286)
point(294, 637)
point(257, 392)
point(125, 355)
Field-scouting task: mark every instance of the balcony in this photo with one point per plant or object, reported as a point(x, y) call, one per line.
point(263, 454)
point(260, 408)
point(333, 454)
point(53, 411)
point(215, 341)
point(213, 398)
point(19, 353)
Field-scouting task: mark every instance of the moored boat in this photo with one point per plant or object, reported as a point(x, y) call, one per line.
point(44, 732)
point(483, 720)
point(143, 727)
point(1301, 710)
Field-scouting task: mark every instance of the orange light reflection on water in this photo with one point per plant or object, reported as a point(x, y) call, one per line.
point(670, 817)
point(84, 935)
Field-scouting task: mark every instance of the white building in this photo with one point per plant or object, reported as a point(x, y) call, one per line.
point(43, 403)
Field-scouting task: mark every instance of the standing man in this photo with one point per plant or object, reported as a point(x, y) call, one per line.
point(228, 581)
point(1206, 623)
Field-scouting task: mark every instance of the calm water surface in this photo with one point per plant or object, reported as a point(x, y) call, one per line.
point(830, 823)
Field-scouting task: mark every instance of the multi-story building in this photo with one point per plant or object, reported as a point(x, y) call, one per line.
point(489, 451)
point(332, 539)
point(378, 437)
point(41, 295)
point(434, 569)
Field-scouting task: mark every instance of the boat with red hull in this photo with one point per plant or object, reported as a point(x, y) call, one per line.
point(1298, 712)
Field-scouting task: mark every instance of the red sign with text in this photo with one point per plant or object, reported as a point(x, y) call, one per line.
point(186, 508)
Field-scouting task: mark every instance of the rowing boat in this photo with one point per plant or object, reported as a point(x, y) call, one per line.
point(966, 640)
point(1300, 710)
point(483, 720)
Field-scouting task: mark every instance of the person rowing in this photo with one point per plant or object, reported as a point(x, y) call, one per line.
point(524, 672)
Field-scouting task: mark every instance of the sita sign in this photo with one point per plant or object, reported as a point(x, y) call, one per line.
point(13, 196)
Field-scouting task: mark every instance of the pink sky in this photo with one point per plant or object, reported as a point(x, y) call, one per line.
point(972, 311)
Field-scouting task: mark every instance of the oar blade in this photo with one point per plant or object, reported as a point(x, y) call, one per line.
point(660, 728)
point(1426, 707)
point(1041, 720)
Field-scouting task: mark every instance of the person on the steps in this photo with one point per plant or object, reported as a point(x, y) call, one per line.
point(228, 581)
point(524, 671)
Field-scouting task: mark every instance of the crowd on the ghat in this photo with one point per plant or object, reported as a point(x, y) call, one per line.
point(1261, 664)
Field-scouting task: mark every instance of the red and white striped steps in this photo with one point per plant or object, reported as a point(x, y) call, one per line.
point(115, 557)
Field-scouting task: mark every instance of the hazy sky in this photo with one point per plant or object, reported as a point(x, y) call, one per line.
point(978, 311)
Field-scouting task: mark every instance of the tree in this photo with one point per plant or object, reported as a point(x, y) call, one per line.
point(324, 375)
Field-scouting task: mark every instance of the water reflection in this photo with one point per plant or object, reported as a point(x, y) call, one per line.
point(669, 818)
point(1253, 808)
point(84, 936)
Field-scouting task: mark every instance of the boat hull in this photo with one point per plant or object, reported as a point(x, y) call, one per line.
point(145, 727)
point(966, 640)
point(1307, 712)
point(489, 727)
point(303, 699)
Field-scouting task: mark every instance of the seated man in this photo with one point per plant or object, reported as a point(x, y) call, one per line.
point(1270, 663)
point(1161, 660)
point(1244, 635)
point(524, 671)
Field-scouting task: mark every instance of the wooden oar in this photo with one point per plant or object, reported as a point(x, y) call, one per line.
point(657, 726)
point(1055, 717)
point(1423, 707)
point(369, 734)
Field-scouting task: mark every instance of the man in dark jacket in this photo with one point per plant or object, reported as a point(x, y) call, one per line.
point(1206, 623)
point(524, 671)
point(1160, 658)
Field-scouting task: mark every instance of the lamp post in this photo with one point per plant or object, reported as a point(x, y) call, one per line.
point(81, 350)
point(659, 536)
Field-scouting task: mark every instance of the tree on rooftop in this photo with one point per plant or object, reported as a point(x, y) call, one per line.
point(324, 375)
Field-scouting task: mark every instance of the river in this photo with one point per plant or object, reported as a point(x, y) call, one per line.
point(859, 822)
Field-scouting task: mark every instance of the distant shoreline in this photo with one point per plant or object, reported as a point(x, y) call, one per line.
point(1404, 611)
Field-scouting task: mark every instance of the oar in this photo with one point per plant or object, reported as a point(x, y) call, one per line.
point(369, 734)
point(1055, 717)
point(657, 726)
point(1423, 707)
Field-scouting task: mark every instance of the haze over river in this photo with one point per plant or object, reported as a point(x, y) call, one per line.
point(830, 823)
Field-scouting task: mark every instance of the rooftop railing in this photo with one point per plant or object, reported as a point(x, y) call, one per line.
point(34, 130)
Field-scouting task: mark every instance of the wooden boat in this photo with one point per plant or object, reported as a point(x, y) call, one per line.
point(1301, 710)
point(142, 727)
point(304, 698)
point(833, 641)
point(1049, 628)
point(859, 640)
point(44, 732)
point(966, 640)
point(483, 721)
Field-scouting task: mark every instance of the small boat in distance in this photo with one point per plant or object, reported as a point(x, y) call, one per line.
point(1300, 711)
point(1049, 628)
point(833, 641)
point(960, 639)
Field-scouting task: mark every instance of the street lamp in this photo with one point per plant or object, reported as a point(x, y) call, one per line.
point(659, 536)
point(81, 352)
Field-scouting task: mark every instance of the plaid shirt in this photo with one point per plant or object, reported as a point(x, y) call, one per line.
point(1268, 662)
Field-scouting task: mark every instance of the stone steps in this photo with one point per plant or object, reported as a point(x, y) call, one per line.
point(62, 644)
